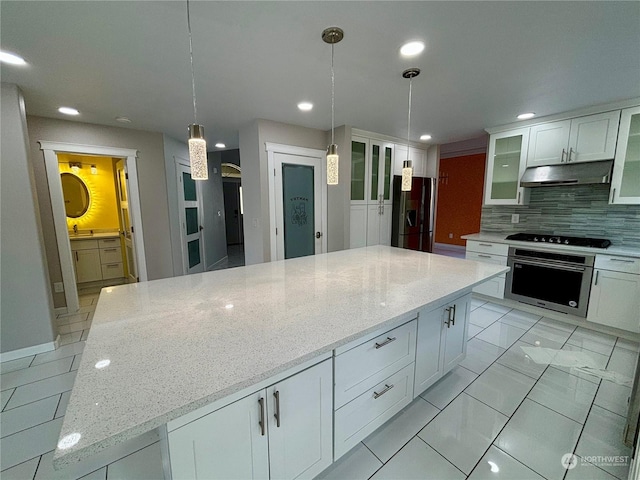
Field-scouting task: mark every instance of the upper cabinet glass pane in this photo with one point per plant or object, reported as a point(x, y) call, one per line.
point(630, 185)
point(387, 173)
point(375, 166)
point(506, 168)
point(357, 170)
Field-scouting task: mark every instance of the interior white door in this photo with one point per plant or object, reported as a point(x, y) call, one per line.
point(299, 205)
point(126, 224)
point(190, 221)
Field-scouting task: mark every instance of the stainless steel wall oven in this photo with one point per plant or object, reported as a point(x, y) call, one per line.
point(554, 280)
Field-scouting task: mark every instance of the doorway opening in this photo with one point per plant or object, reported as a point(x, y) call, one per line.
point(96, 212)
point(233, 211)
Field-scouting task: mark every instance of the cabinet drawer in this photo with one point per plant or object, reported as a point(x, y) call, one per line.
point(110, 255)
point(618, 264)
point(486, 258)
point(109, 242)
point(361, 368)
point(112, 270)
point(488, 247)
point(360, 417)
point(83, 244)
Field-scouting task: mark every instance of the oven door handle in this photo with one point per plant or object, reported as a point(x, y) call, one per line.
point(549, 265)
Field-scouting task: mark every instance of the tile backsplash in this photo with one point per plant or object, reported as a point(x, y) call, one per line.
point(579, 211)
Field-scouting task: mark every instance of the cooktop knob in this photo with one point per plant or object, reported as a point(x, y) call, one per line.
point(543, 239)
point(535, 239)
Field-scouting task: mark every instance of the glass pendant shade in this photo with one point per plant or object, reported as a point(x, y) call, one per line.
point(332, 164)
point(407, 174)
point(198, 153)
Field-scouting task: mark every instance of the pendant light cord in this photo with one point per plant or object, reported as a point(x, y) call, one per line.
point(409, 118)
point(193, 75)
point(333, 84)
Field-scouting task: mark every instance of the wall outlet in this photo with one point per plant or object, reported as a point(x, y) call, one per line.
point(58, 287)
point(515, 218)
point(451, 235)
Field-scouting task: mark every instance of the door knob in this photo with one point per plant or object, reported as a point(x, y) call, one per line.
point(318, 234)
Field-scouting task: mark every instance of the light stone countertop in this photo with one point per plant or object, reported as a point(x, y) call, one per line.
point(97, 235)
point(611, 250)
point(176, 345)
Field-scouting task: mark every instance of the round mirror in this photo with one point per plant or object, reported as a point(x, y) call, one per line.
point(76, 195)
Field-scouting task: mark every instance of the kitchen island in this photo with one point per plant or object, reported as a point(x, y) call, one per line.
point(161, 350)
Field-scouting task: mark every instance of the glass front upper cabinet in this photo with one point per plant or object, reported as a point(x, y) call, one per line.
point(506, 163)
point(625, 183)
point(358, 170)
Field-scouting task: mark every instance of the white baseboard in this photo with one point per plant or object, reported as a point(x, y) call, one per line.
point(25, 352)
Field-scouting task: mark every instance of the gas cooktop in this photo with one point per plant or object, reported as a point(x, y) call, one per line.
point(575, 241)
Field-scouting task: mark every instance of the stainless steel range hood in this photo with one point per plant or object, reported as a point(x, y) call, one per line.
point(568, 174)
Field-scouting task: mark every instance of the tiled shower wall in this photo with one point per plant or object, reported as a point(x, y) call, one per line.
point(578, 211)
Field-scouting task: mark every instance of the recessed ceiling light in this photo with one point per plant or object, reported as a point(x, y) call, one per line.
point(11, 58)
point(425, 137)
point(305, 106)
point(68, 111)
point(220, 145)
point(526, 116)
point(412, 48)
point(123, 119)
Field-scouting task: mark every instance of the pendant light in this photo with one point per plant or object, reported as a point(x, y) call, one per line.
point(407, 171)
point(332, 35)
point(197, 143)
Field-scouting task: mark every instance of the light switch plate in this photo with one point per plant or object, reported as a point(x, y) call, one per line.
point(58, 287)
point(515, 218)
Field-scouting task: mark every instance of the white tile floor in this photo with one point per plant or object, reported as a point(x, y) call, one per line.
point(497, 410)
point(34, 394)
point(499, 415)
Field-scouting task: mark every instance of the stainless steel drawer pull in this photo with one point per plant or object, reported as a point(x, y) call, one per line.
point(485, 256)
point(485, 244)
point(277, 414)
point(452, 312)
point(385, 390)
point(621, 260)
point(110, 241)
point(110, 249)
point(261, 422)
point(113, 265)
point(386, 342)
point(595, 282)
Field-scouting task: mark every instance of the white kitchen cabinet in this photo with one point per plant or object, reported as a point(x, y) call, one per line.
point(87, 265)
point(371, 186)
point(506, 162)
point(418, 159)
point(581, 139)
point(489, 252)
point(615, 293)
point(284, 431)
point(358, 226)
point(625, 183)
point(441, 341)
point(226, 444)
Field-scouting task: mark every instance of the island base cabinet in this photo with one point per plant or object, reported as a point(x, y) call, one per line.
point(282, 432)
point(441, 341)
point(364, 414)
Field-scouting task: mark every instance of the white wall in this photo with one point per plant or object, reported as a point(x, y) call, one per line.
point(215, 230)
point(254, 251)
point(151, 180)
point(174, 149)
point(26, 314)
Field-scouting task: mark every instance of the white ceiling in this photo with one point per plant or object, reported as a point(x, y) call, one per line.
point(484, 63)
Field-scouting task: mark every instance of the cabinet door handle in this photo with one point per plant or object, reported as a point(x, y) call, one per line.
point(386, 342)
point(113, 265)
point(570, 153)
point(277, 414)
point(110, 249)
point(261, 422)
point(613, 195)
point(485, 244)
point(77, 260)
point(382, 392)
point(518, 201)
point(453, 315)
point(595, 282)
point(564, 152)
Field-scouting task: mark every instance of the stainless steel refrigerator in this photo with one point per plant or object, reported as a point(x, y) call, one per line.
point(412, 215)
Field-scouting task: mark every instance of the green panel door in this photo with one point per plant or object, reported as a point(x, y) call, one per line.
point(298, 210)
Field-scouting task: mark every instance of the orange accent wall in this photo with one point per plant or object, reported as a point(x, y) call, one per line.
point(460, 185)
